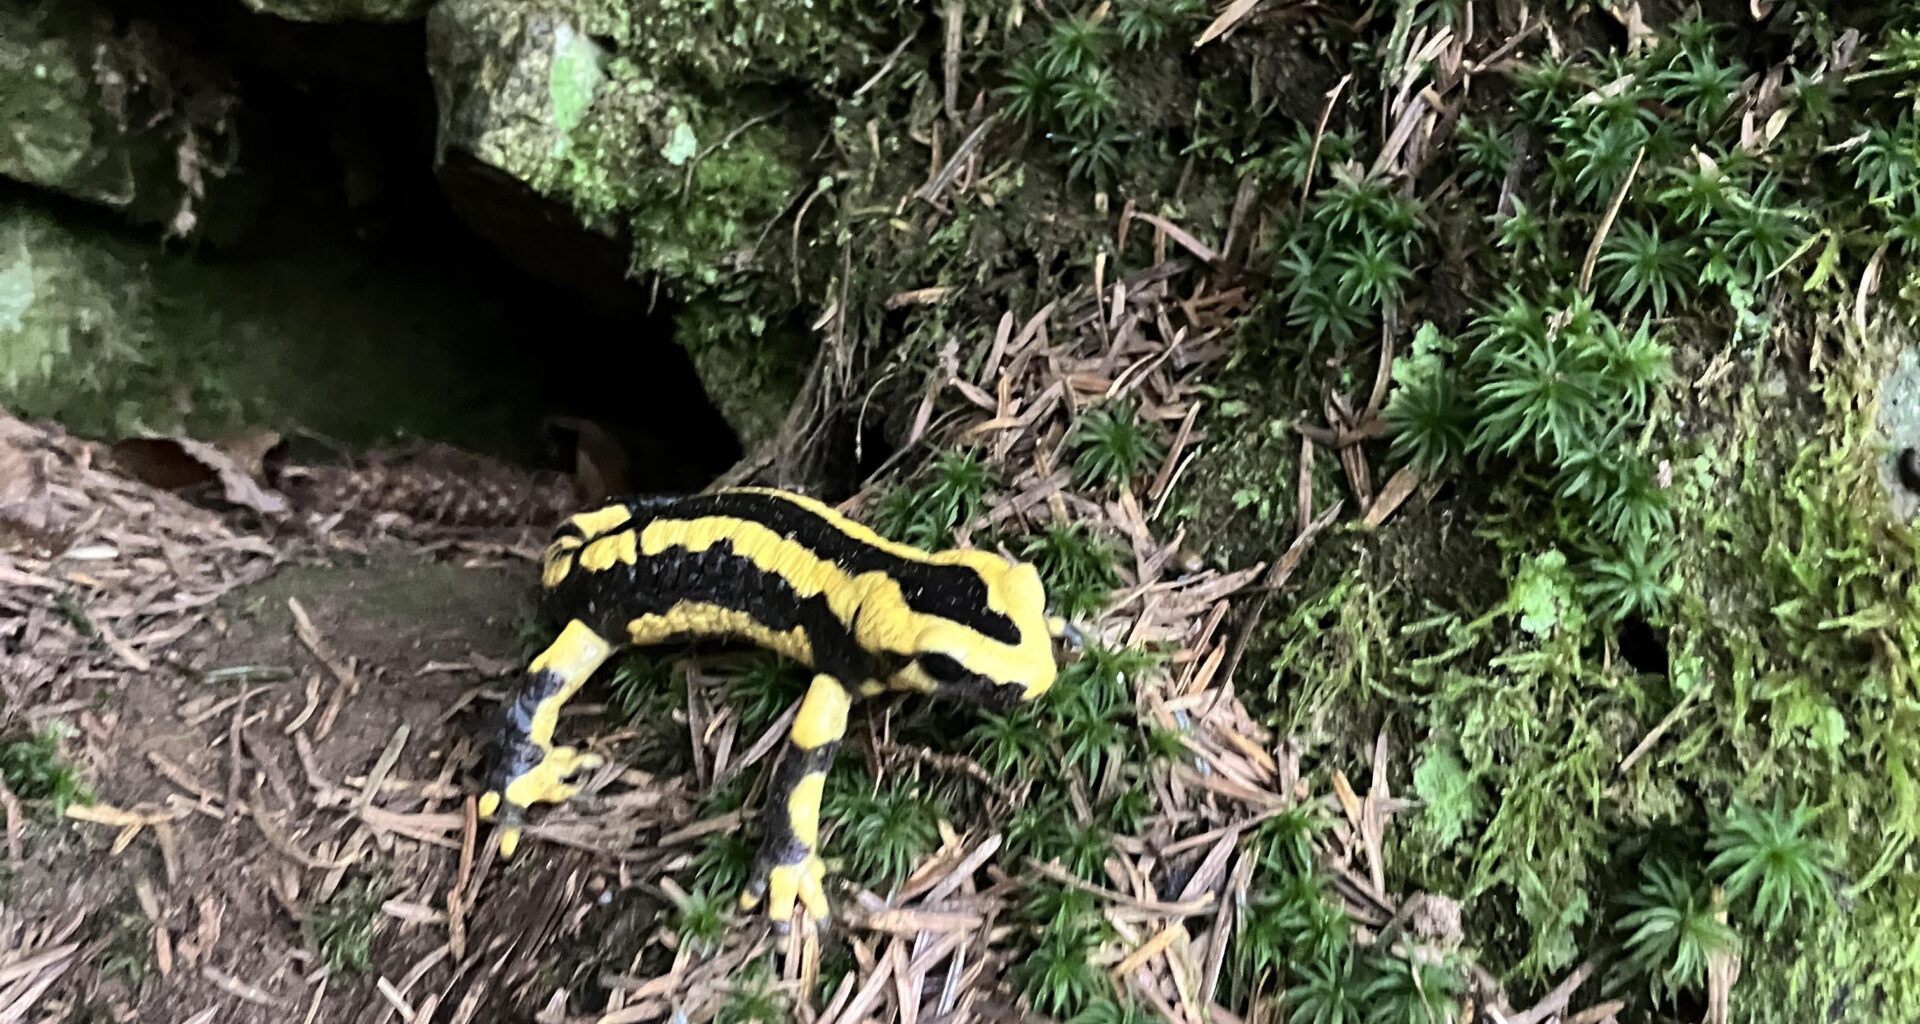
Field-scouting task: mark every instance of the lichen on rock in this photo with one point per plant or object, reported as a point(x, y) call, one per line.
point(576, 103)
point(1900, 425)
point(117, 114)
point(332, 11)
point(110, 338)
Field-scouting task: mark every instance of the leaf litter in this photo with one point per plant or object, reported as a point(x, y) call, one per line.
point(109, 580)
point(153, 568)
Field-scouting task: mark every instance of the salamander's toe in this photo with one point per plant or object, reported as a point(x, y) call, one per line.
point(543, 781)
point(785, 887)
point(755, 890)
point(813, 890)
point(495, 807)
point(789, 887)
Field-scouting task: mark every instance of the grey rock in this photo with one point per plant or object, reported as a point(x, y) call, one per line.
point(332, 11)
point(118, 115)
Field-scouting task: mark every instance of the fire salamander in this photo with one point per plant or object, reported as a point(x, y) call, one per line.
point(789, 574)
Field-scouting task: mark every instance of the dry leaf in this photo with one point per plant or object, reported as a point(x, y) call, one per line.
point(1228, 18)
point(601, 465)
point(181, 463)
point(24, 498)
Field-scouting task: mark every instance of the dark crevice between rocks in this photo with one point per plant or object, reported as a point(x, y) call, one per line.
point(1643, 647)
point(1908, 466)
point(337, 124)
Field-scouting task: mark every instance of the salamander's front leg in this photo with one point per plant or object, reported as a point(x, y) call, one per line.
point(788, 869)
point(528, 769)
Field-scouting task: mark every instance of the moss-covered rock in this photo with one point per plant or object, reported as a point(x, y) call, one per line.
point(115, 113)
point(766, 165)
point(108, 336)
point(331, 11)
point(1900, 423)
point(574, 105)
point(513, 81)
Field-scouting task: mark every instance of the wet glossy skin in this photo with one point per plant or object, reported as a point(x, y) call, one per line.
point(788, 574)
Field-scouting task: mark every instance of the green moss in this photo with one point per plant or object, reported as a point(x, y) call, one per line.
point(102, 333)
point(722, 47)
point(71, 329)
point(1077, 565)
point(695, 186)
point(882, 833)
point(129, 949)
point(1452, 800)
point(753, 997)
point(928, 507)
point(1248, 495)
point(1723, 560)
point(1803, 605)
point(734, 193)
point(334, 11)
point(577, 70)
point(751, 365)
point(675, 127)
point(46, 93)
point(111, 110)
point(1518, 735)
point(34, 769)
point(343, 928)
point(1796, 591)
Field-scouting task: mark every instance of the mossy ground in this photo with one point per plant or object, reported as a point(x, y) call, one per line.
point(110, 335)
point(1652, 599)
point(1563, 739)
point(1654, 581)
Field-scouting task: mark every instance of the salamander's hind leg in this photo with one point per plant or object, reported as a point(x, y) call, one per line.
point(528, 769)
point(788, 869)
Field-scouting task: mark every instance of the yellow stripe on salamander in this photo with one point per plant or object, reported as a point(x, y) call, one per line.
point(698, 618)
point(558, 561)
point(822, 718)
point(884, 621)
point(573, 656)
point(980, 562)
point(803, 808)
point(601, 520)
point(604, 552)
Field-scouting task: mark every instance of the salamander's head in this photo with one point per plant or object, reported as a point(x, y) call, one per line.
point(997, 649)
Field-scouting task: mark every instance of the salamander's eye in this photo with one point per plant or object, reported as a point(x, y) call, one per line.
point(942, 668)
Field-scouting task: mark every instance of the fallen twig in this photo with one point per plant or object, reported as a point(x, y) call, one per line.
point(11, 805)
point(1606, 222)
point(930, 192)
point(1275, 578)
point(1556, 1000)
point(1226, 20)
point(242, 990)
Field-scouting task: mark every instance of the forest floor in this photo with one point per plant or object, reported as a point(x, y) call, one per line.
point(269, 739)
point(1478, 510)
point(253, 734)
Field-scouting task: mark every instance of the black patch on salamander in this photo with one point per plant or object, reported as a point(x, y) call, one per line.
point(950, 592)
point(514, 754)
point(780, 845)
point(608, 599)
